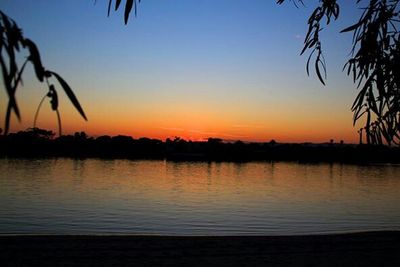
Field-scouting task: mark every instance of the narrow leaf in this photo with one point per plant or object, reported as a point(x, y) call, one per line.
point(35, 59)
point(308, 62)
point(12, 102)
point(7, 119)
point(10, 91)
point(318, 72)
point(19, 76)
point(70, 94)
point(128, 9)
point(117, 3)
point(109, 8)
point(352, 27)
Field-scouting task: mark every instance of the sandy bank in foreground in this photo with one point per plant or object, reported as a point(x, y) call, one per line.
point(358, 249)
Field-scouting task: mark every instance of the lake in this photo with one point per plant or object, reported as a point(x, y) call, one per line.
point(93, 196)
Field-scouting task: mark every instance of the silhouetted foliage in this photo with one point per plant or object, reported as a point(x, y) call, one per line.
point(12, 42)
point(129, 5)
point(40, 133)
point(36, 142)
point(374, 64)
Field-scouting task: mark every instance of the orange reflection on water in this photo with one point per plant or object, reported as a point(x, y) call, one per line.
point(198, 197)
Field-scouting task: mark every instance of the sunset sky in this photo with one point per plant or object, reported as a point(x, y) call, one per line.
point(195, 69)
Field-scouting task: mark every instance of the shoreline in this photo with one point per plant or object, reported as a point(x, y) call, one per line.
point(374, 248)
point(33, 145)
point(150, 235)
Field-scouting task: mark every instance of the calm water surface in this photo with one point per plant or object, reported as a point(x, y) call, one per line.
point(66, 196)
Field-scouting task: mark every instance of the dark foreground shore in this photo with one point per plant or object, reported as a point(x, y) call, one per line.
point(358, 249)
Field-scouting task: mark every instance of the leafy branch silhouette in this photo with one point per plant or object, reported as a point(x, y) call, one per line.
point(374, 64)
point(375, 67)
point(12, 42)
point(129, 5)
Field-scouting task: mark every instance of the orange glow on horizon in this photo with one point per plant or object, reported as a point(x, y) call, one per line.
point(194, 128)
point(242, 80)
point(192, 120)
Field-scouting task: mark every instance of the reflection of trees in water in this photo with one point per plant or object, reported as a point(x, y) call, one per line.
point(79, 170)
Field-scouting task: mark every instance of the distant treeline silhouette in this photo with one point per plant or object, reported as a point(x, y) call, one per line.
point(36, 142)
point(373, 63)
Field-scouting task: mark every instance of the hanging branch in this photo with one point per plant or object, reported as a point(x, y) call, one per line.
point(373, 65)
point(11, 43)
point(129, 5)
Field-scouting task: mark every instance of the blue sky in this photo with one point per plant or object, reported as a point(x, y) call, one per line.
point(204, 67)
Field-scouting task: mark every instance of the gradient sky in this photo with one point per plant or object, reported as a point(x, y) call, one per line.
point(189, 68)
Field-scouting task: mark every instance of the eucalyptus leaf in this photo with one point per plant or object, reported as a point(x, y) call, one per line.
point(70, 93)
